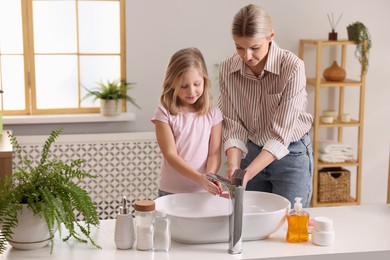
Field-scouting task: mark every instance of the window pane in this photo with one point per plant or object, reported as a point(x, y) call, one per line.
point(99, 27)
point(55, 27)
point(62, 32)
point(56, 81)
point(94, 69)
point(12, 71)
point(11, 40)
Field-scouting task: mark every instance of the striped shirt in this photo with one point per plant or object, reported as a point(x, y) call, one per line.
point(269, 110)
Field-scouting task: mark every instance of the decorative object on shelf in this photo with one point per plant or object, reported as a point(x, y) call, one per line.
point(110, 95)
point(334, 152)
point(333, 34)
point(331, 113)
point(334, 72)
point(334, 185)
point(327, 119)
point(50, 189)
point(360, 34)
point(345, 118)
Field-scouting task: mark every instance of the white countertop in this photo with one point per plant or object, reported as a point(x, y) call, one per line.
point(363, 230)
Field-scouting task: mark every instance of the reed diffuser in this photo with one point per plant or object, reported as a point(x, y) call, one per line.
point(333, 34)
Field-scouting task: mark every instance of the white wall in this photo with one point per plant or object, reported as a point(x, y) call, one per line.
point(156, 29)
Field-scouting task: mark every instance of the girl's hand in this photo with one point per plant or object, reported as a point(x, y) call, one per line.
point(219, 187)
point(213, 187)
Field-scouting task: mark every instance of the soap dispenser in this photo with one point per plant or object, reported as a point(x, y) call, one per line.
point(124, 227)
point(298, 222)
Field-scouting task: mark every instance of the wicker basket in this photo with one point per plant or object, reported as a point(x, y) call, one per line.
point(334, 185)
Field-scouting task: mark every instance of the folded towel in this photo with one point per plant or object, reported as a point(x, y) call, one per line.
point(335, 157)
point(328, 146)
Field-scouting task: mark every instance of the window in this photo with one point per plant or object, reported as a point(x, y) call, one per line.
point(51, 49)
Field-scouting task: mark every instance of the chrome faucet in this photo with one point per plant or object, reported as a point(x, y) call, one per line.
point(236, 194)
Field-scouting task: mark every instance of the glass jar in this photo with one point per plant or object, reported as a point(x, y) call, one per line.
point(144, 217)
point(161, 232)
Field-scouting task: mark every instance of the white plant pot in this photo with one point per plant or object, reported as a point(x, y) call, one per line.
point(111, 107)
point(31, 232)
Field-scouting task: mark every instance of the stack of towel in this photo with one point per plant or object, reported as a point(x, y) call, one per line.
point(333, 152)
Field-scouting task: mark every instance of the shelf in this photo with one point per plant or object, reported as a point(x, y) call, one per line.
point(351, 202)
point(340, 124)
point(322, 164)
point(6, 152)
point(344, 83)
point(317, 81)
point(326, 42)
point(66, 118)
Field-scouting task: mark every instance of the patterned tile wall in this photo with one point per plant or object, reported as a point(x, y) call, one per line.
point(129, 168)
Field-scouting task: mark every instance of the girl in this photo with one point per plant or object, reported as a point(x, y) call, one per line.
point(188, 127)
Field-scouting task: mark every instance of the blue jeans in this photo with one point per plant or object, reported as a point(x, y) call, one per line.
point(290, 176)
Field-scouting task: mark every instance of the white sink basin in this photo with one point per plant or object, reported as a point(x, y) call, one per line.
point(204, 218)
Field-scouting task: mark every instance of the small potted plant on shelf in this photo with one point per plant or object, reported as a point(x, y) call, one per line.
point(359, 33)
point(110, 95)
point(40, 198)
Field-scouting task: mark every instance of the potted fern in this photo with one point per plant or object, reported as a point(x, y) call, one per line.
point(48, 191)
point(111, 95)
point(359, 33)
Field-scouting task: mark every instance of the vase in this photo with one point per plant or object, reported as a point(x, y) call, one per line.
point(112, 107)
point(31, 232)
point(334, 73)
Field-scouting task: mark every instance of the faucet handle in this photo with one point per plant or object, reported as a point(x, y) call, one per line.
point(237, 177)
point(216, 177)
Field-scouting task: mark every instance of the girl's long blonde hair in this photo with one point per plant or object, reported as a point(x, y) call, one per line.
point(181, 62)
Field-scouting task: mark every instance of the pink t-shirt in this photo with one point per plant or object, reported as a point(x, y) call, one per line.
point(192, 135)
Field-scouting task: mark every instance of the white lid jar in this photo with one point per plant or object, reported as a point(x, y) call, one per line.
point(323, 233)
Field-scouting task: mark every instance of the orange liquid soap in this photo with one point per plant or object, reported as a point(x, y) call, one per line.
point(298, 223)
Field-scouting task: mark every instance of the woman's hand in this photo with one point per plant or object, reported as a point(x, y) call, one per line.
point(247, 178)
point(234, 158)
point(230, 170)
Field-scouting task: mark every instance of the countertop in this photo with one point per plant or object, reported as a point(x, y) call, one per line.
point(362, 230)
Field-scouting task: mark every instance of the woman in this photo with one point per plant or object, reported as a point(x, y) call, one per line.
point(263, 101)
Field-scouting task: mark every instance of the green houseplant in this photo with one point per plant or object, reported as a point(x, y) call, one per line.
point(49, 188)
point(360, 34)
point(110, 94)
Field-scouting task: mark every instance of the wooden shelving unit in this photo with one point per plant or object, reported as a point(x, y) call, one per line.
point(318, 82)
point(5, 155)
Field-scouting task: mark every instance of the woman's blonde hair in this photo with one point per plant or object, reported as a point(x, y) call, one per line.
point(252, 21)
point(181, 62)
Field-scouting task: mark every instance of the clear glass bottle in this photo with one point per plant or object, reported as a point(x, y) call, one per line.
point(124, 227)
point(161, 232)
point(298, 223)
point(144, 217)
